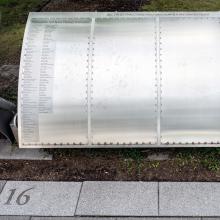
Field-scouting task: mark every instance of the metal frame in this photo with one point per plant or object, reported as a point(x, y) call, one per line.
point(7, 112)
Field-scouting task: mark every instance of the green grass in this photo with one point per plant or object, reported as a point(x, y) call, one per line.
point(10, 43)
point(182, 5)
point(13, 18)
point(208, 157)
point(16, 12)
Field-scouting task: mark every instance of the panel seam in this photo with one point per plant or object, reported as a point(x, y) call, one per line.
point(158, 197)
point(3, 186)
point(158, 79)
point(89, 79)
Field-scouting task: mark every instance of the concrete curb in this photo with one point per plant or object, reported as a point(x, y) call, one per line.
point(9, 152)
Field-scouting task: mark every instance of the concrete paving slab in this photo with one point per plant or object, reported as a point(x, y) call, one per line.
point(53, 218)
point(213, 218)
point(39, 198)
point(189, 199)
point(9, 152)
point(110, 218)
point(159, 218)
point(118, 199)
point(15, 217)
point(72, 218)
point(118, 218)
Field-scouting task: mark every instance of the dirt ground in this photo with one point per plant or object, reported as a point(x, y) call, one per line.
point(106, 168)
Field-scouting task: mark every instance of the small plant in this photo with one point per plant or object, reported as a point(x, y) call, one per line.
point(133, 156)
point(129, 165)
point(208, 157)
point(154, 164)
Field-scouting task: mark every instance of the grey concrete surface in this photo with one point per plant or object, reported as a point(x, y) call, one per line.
point(109, 200)
point(9, 152)
point(189, 199)
point(40, 198)
point(103, 218)
point(118, 199)
point(159, 218)
point(115, 218)
point(15, 218)
point(72, 218)
point(213, 218)
point(54, 218)
point(158, 157)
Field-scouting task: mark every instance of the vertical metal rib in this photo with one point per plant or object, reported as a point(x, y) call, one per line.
point(89, 80)
point(158, 77)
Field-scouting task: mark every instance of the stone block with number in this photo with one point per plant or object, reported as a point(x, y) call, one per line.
point(39, 198)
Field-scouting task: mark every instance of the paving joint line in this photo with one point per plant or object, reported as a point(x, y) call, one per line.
point(3, 186)
point(74, 214)
point(158, 198)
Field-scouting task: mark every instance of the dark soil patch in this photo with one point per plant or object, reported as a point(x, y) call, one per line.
point(113, 165)
point(81, 168)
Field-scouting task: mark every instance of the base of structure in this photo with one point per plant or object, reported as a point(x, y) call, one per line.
point(12, 152)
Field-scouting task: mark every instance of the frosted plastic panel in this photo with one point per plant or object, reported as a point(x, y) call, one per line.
point(190, 80)
point(53, 75)
point(131, 79)
point(123, 91)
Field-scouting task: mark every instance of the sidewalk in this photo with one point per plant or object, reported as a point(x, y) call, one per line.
point(109, 199)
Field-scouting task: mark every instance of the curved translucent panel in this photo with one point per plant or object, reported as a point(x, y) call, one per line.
point(123, 92)
point(131, 79)
point(190, 80)
point(53, 105)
